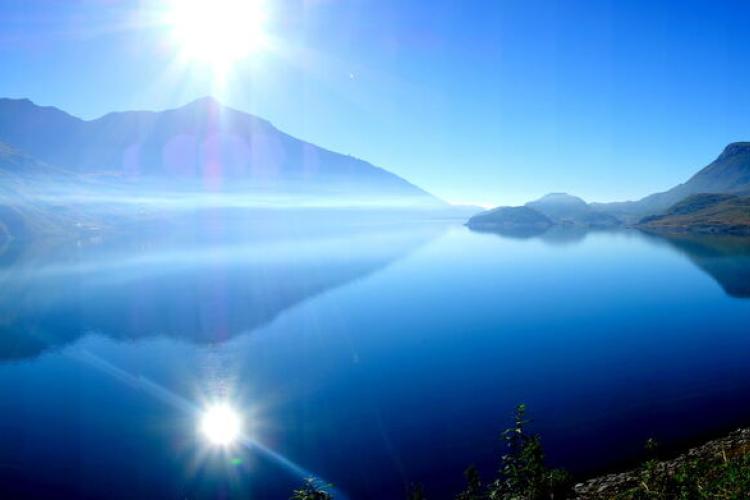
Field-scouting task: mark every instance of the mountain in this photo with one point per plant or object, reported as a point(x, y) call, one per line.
point(729, 173)
point(563, 208)
point(202, 146)
point(704, 213)
point(536, 217)
point(522, 218)
point(561, 204)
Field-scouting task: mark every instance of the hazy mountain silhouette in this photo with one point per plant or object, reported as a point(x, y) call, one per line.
point(202, 145)
point(206, 286)
point(562, 205)
point(536, 217)
point(567, 209)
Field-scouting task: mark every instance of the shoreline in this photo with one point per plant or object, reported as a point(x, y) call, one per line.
point(632, 483)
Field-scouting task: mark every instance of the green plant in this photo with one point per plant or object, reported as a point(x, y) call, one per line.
point(474, 488)
point(312, 490)
point(706, 476)
point(523, 474)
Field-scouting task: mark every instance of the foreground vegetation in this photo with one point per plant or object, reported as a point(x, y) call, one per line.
point(719, 469)
point(522, 473)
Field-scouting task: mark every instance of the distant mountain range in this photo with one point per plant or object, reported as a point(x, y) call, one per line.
point(218, 147)
point(51, 163)
point(716, 199)
point(563, 208)
point(202, 145)
point(555, 209)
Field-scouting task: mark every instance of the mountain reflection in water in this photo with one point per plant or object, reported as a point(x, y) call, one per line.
point(726, 258)
point(221, 278)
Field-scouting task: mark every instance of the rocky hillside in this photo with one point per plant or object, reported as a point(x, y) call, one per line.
point(706, 213)
point(717, 469)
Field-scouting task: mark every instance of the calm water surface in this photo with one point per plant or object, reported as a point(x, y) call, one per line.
point(372, 355)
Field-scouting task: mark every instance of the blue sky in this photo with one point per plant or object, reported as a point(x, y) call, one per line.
point(492, 102)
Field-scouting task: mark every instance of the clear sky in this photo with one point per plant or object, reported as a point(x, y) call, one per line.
point(491, 102)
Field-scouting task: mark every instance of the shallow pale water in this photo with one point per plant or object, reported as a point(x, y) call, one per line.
point(372, 355)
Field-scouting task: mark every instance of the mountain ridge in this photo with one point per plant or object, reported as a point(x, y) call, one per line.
point(553, 209)
point(214, 146)
point(728, 173)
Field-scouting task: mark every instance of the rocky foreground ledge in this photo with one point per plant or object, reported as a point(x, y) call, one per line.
point(717, 469)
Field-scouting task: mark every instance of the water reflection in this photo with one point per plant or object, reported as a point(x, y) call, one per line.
point(208, 284)
point(610, 342)
point(555, 235)
point(725, 258)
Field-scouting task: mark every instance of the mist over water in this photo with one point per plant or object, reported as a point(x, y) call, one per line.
point(370, 350)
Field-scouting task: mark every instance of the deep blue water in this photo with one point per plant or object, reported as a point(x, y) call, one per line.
point(372, 355)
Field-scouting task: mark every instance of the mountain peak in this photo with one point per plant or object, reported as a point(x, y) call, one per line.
point(211, 108)
point(559, 199)
point(10, 100)
point(204, 102)
point(202, 145)
point(734, 149)
point(26, 105)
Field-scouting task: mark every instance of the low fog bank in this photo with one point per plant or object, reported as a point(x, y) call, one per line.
point(32, 208)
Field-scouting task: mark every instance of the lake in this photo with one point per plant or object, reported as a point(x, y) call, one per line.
point(370, 353)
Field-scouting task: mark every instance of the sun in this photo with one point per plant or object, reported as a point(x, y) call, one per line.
point(221, 425)
point(217, 32)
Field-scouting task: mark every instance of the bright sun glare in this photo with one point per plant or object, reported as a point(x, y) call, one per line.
point(221, 425)
point(218, 32)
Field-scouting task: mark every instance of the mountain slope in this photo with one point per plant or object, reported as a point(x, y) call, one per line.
point(203, 146)
point(729, 173)
point(708, 213)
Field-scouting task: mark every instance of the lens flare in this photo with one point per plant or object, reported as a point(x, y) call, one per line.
point(221, 425)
